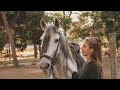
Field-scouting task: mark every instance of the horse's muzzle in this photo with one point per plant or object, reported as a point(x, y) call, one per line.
point(44, 66)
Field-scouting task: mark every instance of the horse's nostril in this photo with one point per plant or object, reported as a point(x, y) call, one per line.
point(47, 66)
point(40, 67)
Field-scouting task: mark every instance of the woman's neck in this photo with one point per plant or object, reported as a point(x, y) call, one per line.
point(89, 59)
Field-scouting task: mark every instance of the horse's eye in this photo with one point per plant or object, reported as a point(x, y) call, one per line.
point(56, 40)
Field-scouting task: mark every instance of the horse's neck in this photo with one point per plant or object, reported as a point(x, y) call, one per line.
point(60, 66)
point(71, 61)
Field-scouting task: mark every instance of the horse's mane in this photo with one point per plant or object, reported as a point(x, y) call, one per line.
point(76, 52)
point(64, 43)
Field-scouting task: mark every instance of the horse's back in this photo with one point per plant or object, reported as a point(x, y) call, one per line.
point(75, 48)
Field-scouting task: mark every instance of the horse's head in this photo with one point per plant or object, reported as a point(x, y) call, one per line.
point(49, 44)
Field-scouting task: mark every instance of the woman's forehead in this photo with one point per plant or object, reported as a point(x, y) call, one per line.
point(85, 44)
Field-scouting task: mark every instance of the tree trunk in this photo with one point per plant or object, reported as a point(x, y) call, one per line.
point(64, 24)
point(112, 42)
point(39, 49)
point(0, 53)
point(10, 35)
point(35, 50)
point(9, 51)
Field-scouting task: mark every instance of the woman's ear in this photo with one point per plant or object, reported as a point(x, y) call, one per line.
point(91, 50)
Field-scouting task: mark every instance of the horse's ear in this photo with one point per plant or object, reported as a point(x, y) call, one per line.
point(57, 23)
point(42, 24)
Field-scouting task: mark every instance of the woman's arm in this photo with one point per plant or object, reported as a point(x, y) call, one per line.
point(69, 68)
point(74, 73)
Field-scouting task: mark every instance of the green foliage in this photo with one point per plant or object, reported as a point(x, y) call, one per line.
point(65, 20)
point(21, 19)
point(10, 16)
point(89, 24)
point(111, 20)
point(58, 15)
point(1, 23)
point(80, 29)
point(33, 25)
point(47, 18)
point(112, 23)
point(20, 37)
point(66, 23)
point(25, 26)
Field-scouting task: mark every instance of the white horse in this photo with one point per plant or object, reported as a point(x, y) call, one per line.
point(56, 52)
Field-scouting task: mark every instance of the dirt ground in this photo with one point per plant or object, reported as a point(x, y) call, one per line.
point(23, 72)
point(29, 67)
point(32, 71)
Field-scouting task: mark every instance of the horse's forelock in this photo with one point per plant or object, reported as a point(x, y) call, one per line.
point(51, 27)
point(45, 43)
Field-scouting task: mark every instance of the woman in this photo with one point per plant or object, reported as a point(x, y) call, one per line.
point(92, 68)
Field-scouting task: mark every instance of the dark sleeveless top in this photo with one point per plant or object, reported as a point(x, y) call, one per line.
point(91, 70)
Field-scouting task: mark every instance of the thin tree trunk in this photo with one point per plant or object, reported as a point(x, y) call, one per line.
point(35, 50)
point(0, 53)
point(112, 42)
point(64, 24)
point(9, 51)
point(39, 49)
point(10, 35)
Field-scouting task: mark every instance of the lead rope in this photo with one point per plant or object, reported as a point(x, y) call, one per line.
point(53, 63)
point(52, 72)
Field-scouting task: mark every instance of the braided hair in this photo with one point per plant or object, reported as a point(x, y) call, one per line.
point(95, 44)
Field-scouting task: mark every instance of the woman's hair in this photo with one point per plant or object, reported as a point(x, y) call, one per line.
point(95, 44)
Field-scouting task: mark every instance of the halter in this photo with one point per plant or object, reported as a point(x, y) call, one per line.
point(53, 60)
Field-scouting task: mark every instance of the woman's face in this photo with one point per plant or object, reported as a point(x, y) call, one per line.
point(86, 51)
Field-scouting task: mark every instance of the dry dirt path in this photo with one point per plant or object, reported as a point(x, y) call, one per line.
point(23, 72)
point(32, 71)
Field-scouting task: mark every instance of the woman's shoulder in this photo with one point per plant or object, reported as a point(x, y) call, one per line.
point(93, 70)
point(93, 65)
